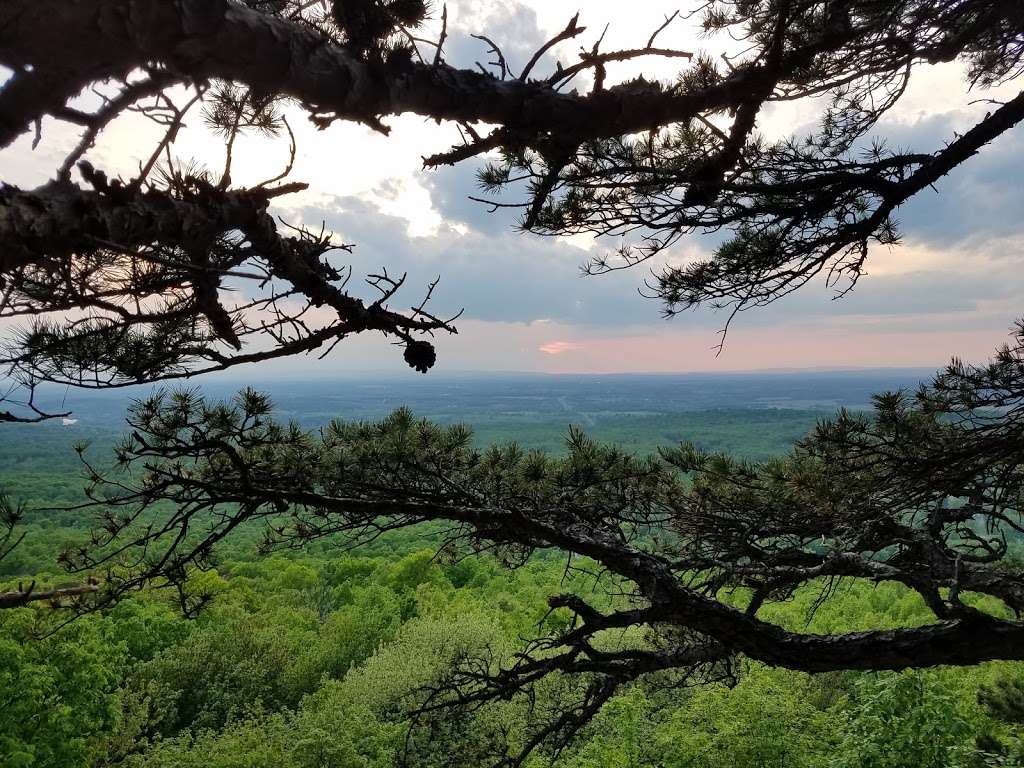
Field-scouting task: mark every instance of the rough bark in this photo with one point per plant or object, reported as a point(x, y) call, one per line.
point(221, 39)
point(965, 641)
point(54, 222)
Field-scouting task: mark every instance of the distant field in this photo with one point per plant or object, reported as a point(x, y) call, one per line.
point(751, 415)
point(39, 466)
point(751, 433)
point(38, 463)
point(525, 397)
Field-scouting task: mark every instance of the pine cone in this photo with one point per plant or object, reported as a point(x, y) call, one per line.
point(420, 355)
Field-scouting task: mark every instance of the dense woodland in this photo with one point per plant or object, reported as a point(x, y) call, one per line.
point(314, 658)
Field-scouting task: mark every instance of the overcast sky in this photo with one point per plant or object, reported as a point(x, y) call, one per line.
point(952, 288)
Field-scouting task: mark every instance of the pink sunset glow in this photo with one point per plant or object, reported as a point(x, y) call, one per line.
point(558, 347)
point(684, 351)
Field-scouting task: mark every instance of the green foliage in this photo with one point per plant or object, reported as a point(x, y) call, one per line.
point(312, 659)
point(906, 720)
point(59, 694)
point(312, 662)
point(769, 718)
point(623, 735)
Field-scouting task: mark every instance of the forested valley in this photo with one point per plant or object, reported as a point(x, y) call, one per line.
point(317, 656)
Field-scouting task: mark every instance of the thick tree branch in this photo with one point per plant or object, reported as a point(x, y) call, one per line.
point(222, 39)
point(22, 597)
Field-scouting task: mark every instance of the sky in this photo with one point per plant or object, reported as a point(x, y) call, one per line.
point(952, 287)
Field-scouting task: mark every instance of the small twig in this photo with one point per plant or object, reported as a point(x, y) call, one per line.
point(571, 30)
point(501, 62)
point(659, 30)
point(291, 158)
point(439, 54)
point(169, 137)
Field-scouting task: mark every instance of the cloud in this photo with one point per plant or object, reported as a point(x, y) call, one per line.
point(499, 275)
point(513, 26)
point(451, 188)
point(496, 275)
